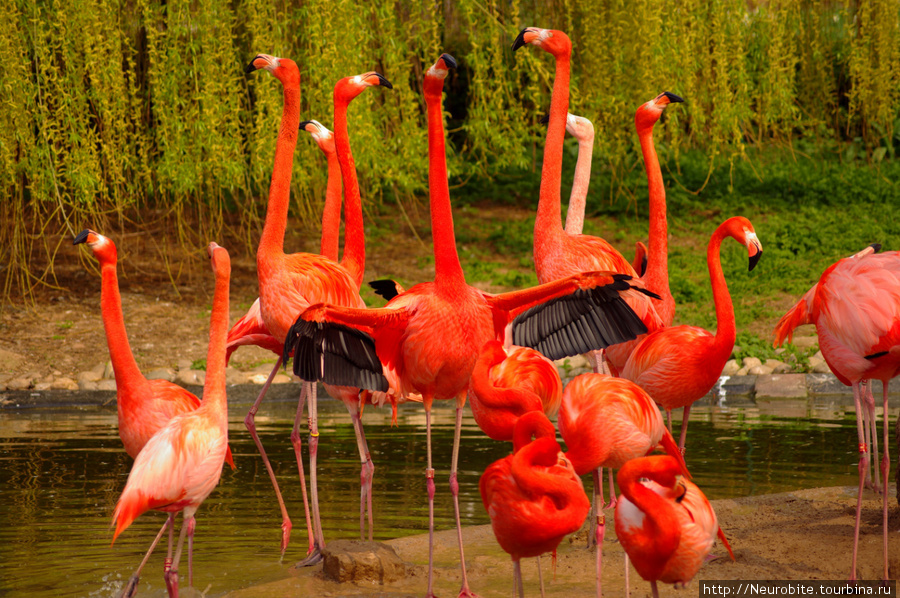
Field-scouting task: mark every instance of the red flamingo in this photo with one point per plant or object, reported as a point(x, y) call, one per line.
point(678, 365)
point(856, 309)
point(289, 283)
point(143, 406)
point(506, 385)
point(428, 338)
point(663, 521)
point(557, 253)
point(534, 497)
point(606, 422)
point(182, 463)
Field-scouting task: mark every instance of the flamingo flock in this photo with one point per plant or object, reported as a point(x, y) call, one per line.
point(446, 340)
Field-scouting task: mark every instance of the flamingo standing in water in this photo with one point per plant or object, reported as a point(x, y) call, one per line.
point(506, 385)
point(289, 283)
point(427, 339)
point(533, 497)
point(663, 521)
point(678, 365)
point(182, 463)
point(143, 406)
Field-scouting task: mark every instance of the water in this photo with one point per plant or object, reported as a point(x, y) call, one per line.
point(62, 472)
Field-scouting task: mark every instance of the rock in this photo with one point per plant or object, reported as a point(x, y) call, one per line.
point(184, 364)
point(577, 361)
point(264, 368)
point(99, 369)
point(749, 362)
point(233, 376)
point(191, 377)
point(821, 368)
point(781, 386)
point(281, 379)
point(826, 384)
point(805, 342)
point(43, 384)
point(161, 374)
point(106, 385)
point(258, 378)
point(355, 561)
point(19, 384)
point(63, 383)
point(782, 368)
point(780, 350)
point(759, 370)
point(814, 361)
point(9, 361)
point(819, 355)
point(89, 376)
point(108, 372)
point(742, 371)
point(87, 385)
point(737, 386)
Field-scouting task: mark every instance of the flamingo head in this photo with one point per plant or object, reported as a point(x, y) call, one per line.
point(580, 128)
point(284, 69)
point(349, 87)
point(648, 113)
point(102, 247)
point(550, 40)
point(320, 133)
point(219, 259)
point(435, 75)
point(742, 231)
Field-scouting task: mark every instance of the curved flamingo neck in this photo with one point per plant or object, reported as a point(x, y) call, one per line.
point(272, 241)
point(448, 270)
point(548, 224)
point(533, 424)
point(725, 326)
point(331, 214)
point(354, 235)
point(657, 275)
point(214, 396)
point(125, 367)
point(578, 196)
point(660, 533)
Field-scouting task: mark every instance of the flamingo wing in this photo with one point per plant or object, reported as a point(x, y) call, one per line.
point(799, 314)
point(251, 330)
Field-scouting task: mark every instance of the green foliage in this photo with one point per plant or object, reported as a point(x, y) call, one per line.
point(199, 364)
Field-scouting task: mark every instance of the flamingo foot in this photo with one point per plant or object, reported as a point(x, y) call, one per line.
point(130, 589)
point(313, 558)
point(465, 592)
point(612, 503)
point(710, 557)
point(285, 535)
point(171, 577)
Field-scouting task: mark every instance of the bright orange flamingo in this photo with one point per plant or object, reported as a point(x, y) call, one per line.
point(557, 253)
point(428, 338)
point(505, 385)
point(143, 406)
point(663, 521)
point(289, 283)
point(533, 497)
point(856, 310)
point(606, 422)
point(181, 464)
point(678, 365)
point(801, 314)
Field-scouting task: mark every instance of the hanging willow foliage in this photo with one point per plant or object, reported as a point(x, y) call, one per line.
point(139, 109)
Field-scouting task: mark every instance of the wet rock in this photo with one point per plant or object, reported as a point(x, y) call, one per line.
point(355, 560)
point(161, 374)
point(106, 385)
point(739, 385)
point(191, 377)
point(64, 383)
point(780, 386)
point(825, 384)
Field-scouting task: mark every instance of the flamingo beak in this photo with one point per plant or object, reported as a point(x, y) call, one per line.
point(520, 39)
point(449, 61)
point(82, 237)
point(252, 66)
point(754, 258)
point(673, 99)
point(383, 82)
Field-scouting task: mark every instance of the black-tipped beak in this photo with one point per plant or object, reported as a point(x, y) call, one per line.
point(81, 237)
point(674, 99)
point(876, 247)
point(545, 119)
point(251, 67)
point(754, 259)
point(383, 82)
point(304, 123)
point(449, 61)
point(520, 40)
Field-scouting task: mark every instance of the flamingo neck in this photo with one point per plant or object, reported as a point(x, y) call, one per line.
point(331, 214)
point(660, 533)
point(214, 396)
point(548, 224)
point(354, 235)
point(448, 271)
point(272, 240)
point(578, 197)
point(725, 326)
point(125, 367)
point(657, 276)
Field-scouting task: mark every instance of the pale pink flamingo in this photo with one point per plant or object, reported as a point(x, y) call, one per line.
point(428, 337)
point(678, 365)
point(182, 463)
point(533, 497)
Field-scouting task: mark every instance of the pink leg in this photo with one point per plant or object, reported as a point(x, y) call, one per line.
point(313, 553)
point(595, 512)
point(871, 430)
point(517, 579)
point(669, 421)
point(612, 491)
point(540, 575)
point(131, 588)
point(250, 423)
point(654, 589)
point(627, 583)
point(429, 484)
point(464, 592)
point(167, 564)
point(684, 424)
point(192, 523)
point(862, 475)
point(172, 574)
point(313, 457)
point(370, 475)
point(885, 469)
point(600, 533)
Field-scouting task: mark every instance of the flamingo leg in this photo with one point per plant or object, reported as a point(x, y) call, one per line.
point(364, 495)
point(592, 516)
point(540, 575)
point(669, 420)
point(873, 426)
point(313, 553)
point(167, 564)
point(885, 469)
point(250, 423)
point(684, 425)
point(369, 479)
point(131, 587)
point(454, 490)
point(429, 484)
point(172, 574)
point(313, 410)
point(627, 572)
point(190, 539)
point(654, 589)
point(612, 490)
point(862, 475)
point(600, 533)
point(517, 579)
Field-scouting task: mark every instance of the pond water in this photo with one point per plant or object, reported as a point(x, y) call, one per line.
point(63, 471)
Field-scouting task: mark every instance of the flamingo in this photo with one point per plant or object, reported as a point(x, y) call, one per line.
point(800, 314)
point(605, 422)
point(143, 406)
point(557, 253)
point(427, 339)
point(505, 385)
point(533, 497)
point(182, 463)
point(678, 365)
point(289, 283)
point(856, 309)
point(663, 521)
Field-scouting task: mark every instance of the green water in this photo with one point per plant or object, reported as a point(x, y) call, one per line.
point(62, 472)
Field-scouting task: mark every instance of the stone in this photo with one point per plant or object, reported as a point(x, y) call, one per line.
point(99, 369)
point(576, 361)
point(742, 371)
point(64, 383)
point(87, 385)
point(359, 561)
point(781, 386)
point(773, 363)
point(106, 385)
point(19, 384)
point(161, 374)
point(9, 361)
point(759, 370)
point(191, 377)
point(749, 362)
point(233, 376)
point(264, 368)
point(184, 364)
point(281, 379)
point(738, 385)
point(822, 368)
point(259, 378)
point(826, 384)
point(805, 342)
point(108, 372)
point(89, 376)
point(814, 361)
point(782, 368)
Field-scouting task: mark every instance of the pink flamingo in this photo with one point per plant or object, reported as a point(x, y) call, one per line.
point(678, 365)
point(533, 497)
point(663, 521)
point(428, 337)
point(606, 422)
point(506, 385)
point(856, 309)
point(290, 283)
point(182, 463)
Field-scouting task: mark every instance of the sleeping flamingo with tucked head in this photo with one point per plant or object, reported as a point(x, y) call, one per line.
point(533, 497)
point(182, 463)
point(678, 365)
